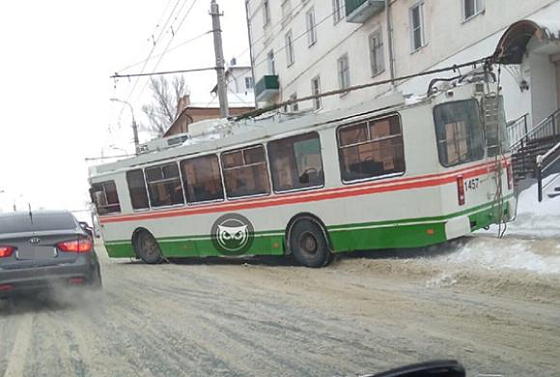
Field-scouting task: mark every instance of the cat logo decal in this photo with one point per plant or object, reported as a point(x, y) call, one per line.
point(232, 234)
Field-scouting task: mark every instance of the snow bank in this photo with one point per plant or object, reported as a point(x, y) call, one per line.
point(509, 254)
point(534, 219)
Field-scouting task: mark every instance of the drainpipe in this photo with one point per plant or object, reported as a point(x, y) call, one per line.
point(251, 51)
point(390, 41)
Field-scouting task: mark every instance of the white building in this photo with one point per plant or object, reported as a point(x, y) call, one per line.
point(300, 47)
point(240, 86)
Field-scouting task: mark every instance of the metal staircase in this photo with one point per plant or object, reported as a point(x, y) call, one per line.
point(533, 143)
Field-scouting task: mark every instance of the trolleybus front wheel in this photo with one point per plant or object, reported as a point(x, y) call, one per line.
point(147, 248)
point(309, 244)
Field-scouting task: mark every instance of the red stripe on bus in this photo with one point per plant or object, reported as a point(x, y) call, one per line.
point(378, 187)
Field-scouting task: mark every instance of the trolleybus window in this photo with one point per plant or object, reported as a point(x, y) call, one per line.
point(104, 196)
point(137, 189)
point(202, 180)
point(497, 139)
point(164, 185)
point(459, 132)
point(245, 172)
point(371, 149)
point(295, 162)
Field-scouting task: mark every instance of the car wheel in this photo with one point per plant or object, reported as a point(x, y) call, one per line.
point(147, 248)
point(309, 244)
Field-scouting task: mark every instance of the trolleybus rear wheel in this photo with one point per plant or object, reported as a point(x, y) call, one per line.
point(309, 244)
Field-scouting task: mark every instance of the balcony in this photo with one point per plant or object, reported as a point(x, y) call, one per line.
point(267, 88)
point(359, 11)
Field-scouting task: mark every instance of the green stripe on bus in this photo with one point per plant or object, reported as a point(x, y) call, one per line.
point(374, 235)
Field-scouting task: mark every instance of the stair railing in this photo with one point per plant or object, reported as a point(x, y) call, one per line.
point(518, 128)
point(544, 163)
point(548, 127)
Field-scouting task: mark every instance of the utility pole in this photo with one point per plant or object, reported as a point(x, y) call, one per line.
point(134, 126)
point(220, 69)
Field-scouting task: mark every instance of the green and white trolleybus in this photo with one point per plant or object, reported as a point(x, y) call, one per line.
point(393, 172)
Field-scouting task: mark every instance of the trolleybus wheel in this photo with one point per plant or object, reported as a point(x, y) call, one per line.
point(308, 244)
point(147, 248)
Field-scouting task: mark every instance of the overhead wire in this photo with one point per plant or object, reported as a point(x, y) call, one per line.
point(155, 42)
point(169, 43)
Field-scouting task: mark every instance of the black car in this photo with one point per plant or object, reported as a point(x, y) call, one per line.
point(39, 250)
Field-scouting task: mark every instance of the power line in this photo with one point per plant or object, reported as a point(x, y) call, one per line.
point(117, 76)
point(169, 43)
point(155, 42)
point(294, 40)
point(171, 49)
point(263, 110)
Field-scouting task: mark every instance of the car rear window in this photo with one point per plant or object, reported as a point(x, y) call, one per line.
point(22, 223)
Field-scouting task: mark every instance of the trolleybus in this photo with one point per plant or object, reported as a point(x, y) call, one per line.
point(393, 172)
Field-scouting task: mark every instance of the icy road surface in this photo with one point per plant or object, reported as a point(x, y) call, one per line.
point(492, 304)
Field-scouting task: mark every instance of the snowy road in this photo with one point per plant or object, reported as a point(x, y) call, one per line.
point(474, 300)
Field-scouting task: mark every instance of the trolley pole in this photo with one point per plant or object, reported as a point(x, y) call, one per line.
point(220, 69)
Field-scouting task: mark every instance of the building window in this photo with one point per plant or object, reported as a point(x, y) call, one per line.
point(316, 90)
point(417, 26)
point(371, 149)
point(311, 27)
point(271, 63)
point(266, 12)
point(164, 185)
point(338, 10)
point(290, 48)
point(105, 197)
point(249, 84)
point(286, 12)
point(343, 72)
point(137, 189)
point(376, 53)
point(295, 162)
point(246, 172)
point(459, 132)
point(202, 179)
point(471, 8)
point(294, 106)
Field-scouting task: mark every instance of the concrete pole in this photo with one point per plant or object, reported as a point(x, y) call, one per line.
point(220, 69)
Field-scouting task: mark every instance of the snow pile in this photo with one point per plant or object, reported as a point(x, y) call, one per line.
point(507, 254)
point(534, 219)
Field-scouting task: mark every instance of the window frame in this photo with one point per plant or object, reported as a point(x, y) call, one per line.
point(223, 171)
point(423, 40)
point(311, 25)
point(313, 93)
point(294, 107)
point(184, 180)
point(482, 138)
point(145, 187)
point(271, 61)
point(341, 72)
point(266, 13)
point(367, 121)
point(308, 188)
point(117, 204)
point(338, 8)
point(176, 162)
point(372, 49)
point(479, 8)
point(289, 45)
point(249, 83)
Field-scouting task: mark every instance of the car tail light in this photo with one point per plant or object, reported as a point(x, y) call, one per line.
point(510, 176)
point(461, 190)
point(76, 281)
point(6, 251)
point(80, 245)
point(6, 287)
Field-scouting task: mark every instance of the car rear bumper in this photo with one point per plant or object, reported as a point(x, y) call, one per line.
point(14, 281)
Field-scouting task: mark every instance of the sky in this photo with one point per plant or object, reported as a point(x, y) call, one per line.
point(55, 89)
